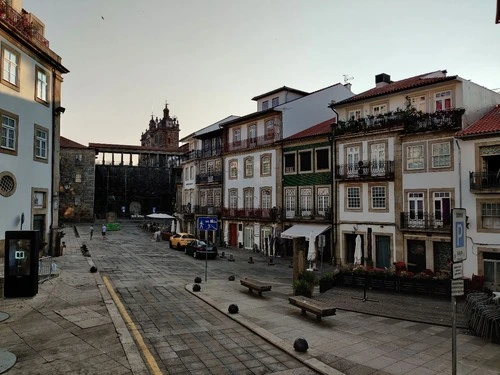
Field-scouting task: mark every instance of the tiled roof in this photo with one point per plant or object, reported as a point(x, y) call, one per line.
point(284, 88)
point(401, 85)
point(488, 124)
point(322, 128)
point(68, 143)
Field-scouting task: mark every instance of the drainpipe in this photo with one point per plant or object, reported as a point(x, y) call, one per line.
point(459, 174)
point(334, 184)
point(53, 160)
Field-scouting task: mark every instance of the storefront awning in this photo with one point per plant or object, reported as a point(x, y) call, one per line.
point(304, 230)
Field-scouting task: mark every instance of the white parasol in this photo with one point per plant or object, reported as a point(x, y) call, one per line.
point(178, 229)
point(160, 216)
point(311, 252)
point(358, 251)
point(172, 226)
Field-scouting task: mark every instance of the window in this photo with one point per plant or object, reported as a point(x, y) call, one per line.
point(265, 165)
point(265, 105)
point(191, 172)
point(353, 197)
point(354, 114)
point(290, 163)
point(415, 157)
point(305, 161)
point(78, 177)
point(322, 159)
point(210, 168)
point(377, 158)
point(217, 198)
point(443, 100)
point(233, 169)
point(248, 199)
point(186, 174)
point(210, 198)
point(419, 103)
point(441, 155)
point(378, 197)
point(248, 167)
point(442, 208)
point(323, 200)
point(9, 133)
point(10, 67)
point(276, 101)
point(41, 143)
point(490, 215)
point(203, 198)
point(233, 199)
point(203, 168)
point(379, 109)
point(218, 166)
point(265, 197)
point(416, 209)
point(206, 145)
point(353, 158)
point(39, 199)
point(236, 135)
point(269, 129)
point(252, 133)
point(306, 201)
point(290, 202)
point(41, 85)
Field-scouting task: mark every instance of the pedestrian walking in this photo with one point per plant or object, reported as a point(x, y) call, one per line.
point(91, 231)
point(103, 231)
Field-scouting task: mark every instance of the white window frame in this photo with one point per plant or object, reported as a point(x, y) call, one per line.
point(490, 215)
point(379, 109)
point(265, 199)
point(266, 165)
point(378, 158)
point(379, 197)
point(290, 202)
point(275, 101)
point(306, 201)
point(354, 114)
point(322, 200)
point(419, 102)
point(265, 105)
point(441, 158)
point(327, 149)
point(237, 135)
point(290, 170)
point(233, 199)
point(353, 197)
point(437, 200)
point(42, 87)
point(10, 66)
point(248, 165)
point(41, 143)
point(353, 159)
point(440, 99)
point(414, 161)
point(9, 133)
point(311, 158)
point(233, 169)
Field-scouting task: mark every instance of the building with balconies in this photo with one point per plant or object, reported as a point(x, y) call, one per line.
point(396, 167)
point(252, 162)
point(30, 110)
point(480, 190)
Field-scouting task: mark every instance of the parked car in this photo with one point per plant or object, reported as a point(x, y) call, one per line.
point(201, 249)
point(180, 240)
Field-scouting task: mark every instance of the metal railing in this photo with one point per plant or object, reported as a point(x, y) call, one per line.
point(366, 170)
point(46, 269)
point(425, 221)
point(250, 143)
point(204, 177)
point(484, 180)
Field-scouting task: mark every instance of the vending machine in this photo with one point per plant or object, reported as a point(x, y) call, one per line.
point(21, 263)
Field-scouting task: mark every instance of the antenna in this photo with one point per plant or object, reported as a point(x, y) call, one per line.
point(347, 78)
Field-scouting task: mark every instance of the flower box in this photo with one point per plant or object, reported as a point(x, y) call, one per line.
point(359, 281)
point(406, 285)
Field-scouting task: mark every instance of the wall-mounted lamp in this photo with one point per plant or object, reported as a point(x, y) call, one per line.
point(355, 227)
point(59, 110)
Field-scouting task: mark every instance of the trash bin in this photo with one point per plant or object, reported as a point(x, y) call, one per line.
point(21, 263)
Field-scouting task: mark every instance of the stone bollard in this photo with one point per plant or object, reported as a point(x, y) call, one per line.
point(196, 287)
point(231, 278)
point(93, 269)
point(250, 260)
point(271, 261)
point(222, 255)
point(233, 309)
point(231, 259)
point(300, 345)
point(197, 279)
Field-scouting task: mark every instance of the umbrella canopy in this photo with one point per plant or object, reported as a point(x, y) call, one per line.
point(172, 226)
point(311, 252)
point(160, 216)
point(358, 251)
point(178, 229)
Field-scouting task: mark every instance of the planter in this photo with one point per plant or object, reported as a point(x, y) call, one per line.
point(325, 285)
point(423, 286)
point(359, 281)
point(440, 287)
point(376, 283)
point(406, 285)
point(391, 284)
point(347, 279)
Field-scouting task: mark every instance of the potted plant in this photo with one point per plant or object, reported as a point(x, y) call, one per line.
point(304, 285)
point(327, 281)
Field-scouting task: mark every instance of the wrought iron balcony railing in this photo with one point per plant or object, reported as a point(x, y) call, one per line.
point(409, 121)
point(250, 143)
point(189, 209)
point(484, 182)
point(209, 210)
point(425, 221)
point(307, 214)
point(205, 178)
point(261, 213)
point(366, 170)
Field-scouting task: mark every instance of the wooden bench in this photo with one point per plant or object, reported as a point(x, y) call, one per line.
point(255, 285)
point(318, 308)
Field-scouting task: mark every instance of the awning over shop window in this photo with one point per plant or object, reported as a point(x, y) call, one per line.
point(304, 230)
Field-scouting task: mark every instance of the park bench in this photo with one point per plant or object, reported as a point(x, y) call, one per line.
point(255, 285)
point(318, 308)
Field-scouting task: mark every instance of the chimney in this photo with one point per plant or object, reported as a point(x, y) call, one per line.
point(348, 86)
point(382, 79)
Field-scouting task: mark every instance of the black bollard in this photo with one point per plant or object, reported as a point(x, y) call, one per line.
point(196, 287)
point(250, 260)
point(197, 279)
point(231, 259)
point(222, 255)
point(233, 309)
point(271, 261)
point(231, 278)
point(300, 345)
point(93, 269)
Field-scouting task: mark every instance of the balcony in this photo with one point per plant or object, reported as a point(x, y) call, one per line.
point(482, 182)
point(366, 170)
point(205, 178)
point(410, 121)
point(22, 24)
point(307, 215)
point(249, 143)
point(189, 210)
point(423, 221)
point(250, 213)
point(191, 155)
point(210, 153)
point(209, 210)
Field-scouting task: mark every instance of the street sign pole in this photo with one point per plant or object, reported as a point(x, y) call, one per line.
point(207, 224)
point(459, 247)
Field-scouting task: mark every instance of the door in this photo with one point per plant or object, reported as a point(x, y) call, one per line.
point(265, 240)
point(491, 265)
point(39, 224)
point(352, 161)
point(442, 209)
point(233, 235)
point(248, 238)
point(382, 251)
point(350, 246)
point(416, 256)
point(378, 159)
point(416, 210)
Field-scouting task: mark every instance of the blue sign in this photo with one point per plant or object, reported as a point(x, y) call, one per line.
point(207, 223)
point(459, 237)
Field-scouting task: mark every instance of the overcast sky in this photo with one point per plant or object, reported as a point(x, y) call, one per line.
point(208, 58)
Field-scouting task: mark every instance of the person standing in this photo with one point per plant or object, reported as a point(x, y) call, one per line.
point(91, 230)
point(103, 231)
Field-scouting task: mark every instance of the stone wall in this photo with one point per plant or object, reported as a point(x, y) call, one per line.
point(77, 183)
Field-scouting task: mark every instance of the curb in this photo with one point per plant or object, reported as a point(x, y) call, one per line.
point(308, 359)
